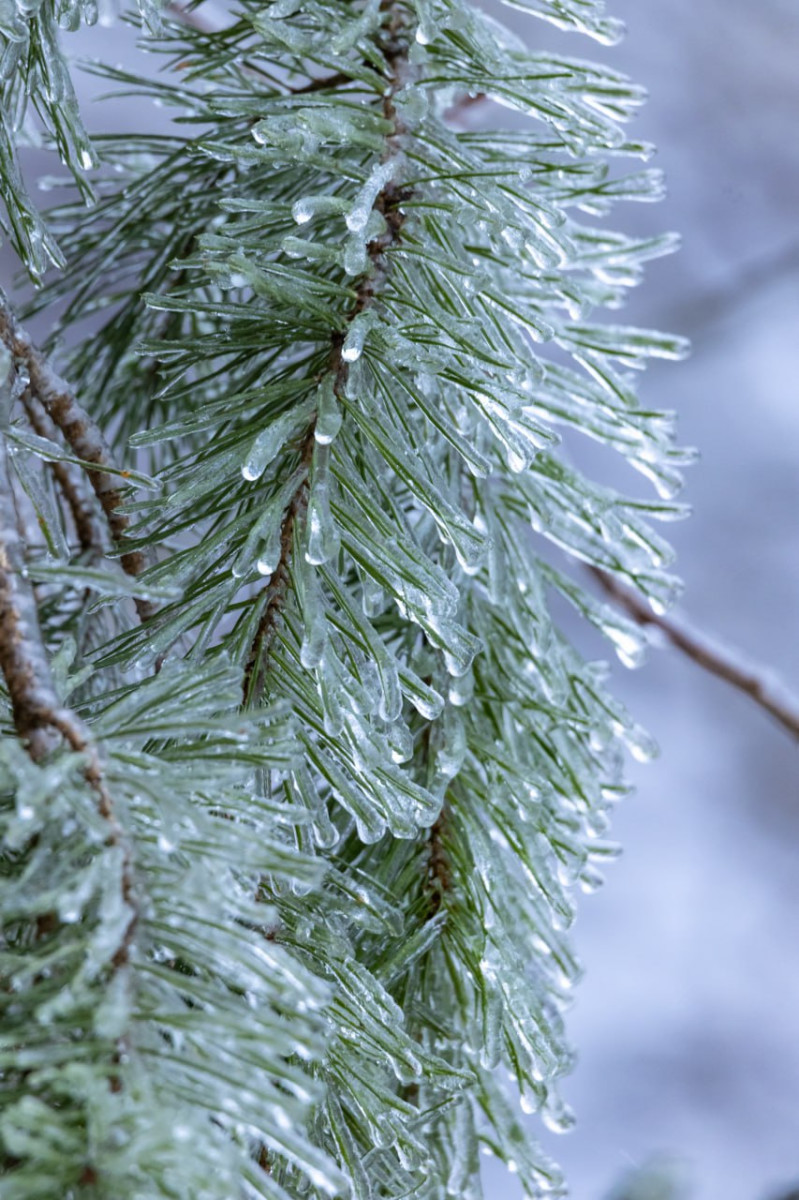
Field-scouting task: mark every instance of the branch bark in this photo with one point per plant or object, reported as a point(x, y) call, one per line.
point(81, 433)
point(726, 664)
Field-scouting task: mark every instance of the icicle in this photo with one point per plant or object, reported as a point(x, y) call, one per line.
point(322, 534)
point(328, 413)
point(314, 622)
point(357, 330)
point(359, 214)
point(270, 442)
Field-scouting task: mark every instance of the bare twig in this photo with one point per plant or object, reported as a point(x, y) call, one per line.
point(718, 660)
point(81, 433)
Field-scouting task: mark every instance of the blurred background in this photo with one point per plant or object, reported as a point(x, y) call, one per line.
point(687, 1021)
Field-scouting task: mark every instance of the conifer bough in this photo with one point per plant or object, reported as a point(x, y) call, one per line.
point(298, 774)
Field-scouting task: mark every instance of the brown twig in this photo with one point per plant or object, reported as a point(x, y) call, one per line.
point(717, 660)
point(81, 433)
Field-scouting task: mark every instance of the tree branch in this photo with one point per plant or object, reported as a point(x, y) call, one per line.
point(81, 433)
point(388, 204)
point(755, 682)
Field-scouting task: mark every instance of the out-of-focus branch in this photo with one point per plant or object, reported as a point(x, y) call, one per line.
point(463, 104)
point(80, 432)
point(726, 664)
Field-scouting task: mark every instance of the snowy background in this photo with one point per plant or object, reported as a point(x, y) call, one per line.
point(687, 1022)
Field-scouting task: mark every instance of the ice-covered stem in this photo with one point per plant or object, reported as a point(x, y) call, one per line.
point(387, 203)
point(276, 591)
point(23, 660)
point(81, 433)
point(37, 714)
point(439, 872)
point(70, 483)
point(726, 664)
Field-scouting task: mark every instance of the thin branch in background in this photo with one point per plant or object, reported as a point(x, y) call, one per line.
point(756, 682)
point(80, 432)
point(463, 104)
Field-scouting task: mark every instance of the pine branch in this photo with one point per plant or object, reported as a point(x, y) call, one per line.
point(708, 654)
point(37, 713)
point(276, 591)
point(81, 433)
point(388, 204)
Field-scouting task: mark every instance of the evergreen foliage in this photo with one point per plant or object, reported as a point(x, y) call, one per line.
point(299, 774)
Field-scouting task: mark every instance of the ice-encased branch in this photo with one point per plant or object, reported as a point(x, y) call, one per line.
point(755, 681)
point(38, 715)
point(387, 203)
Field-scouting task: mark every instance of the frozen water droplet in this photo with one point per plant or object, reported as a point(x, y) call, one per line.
point(558, 1117)
point(591, 879)
point(328, 413)
point(267, 445)
point(353, 345)
point(358, 215)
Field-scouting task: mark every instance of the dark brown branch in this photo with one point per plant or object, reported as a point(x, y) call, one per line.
point(81, 433)
point(717, 660)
